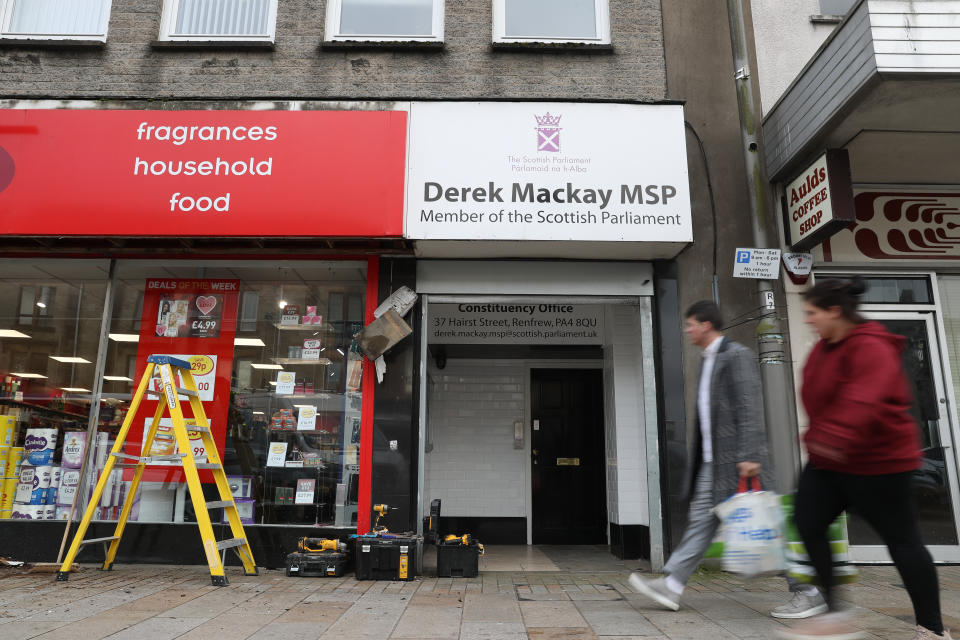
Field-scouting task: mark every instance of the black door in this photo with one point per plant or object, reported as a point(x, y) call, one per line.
point(569, 486)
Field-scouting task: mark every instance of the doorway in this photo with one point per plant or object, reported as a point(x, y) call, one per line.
point(935, 481)
point(568, 479)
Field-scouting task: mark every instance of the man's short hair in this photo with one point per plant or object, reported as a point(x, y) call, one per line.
point(706, 311)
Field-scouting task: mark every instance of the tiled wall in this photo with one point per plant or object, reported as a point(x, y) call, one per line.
point(473, 467)
point(623, 413)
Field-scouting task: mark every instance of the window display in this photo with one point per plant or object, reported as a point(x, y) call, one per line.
point(272, 350)
point(276, 344)
point(49, 334)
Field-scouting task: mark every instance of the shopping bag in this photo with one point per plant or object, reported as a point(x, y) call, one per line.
point(798, 562)
point(753, 535)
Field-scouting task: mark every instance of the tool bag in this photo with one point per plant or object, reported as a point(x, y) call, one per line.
point(798, 562)
point(753, 531)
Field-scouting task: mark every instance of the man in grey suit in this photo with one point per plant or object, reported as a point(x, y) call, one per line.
point(730, 443)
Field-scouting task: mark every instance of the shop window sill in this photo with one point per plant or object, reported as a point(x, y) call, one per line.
point(383, 45)
point(201, 45)
point(553, 47)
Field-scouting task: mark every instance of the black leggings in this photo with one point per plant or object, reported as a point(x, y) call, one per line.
point(888, 505)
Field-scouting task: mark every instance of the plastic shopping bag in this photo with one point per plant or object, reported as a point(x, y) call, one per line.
point(798, 562)
point(753, 532)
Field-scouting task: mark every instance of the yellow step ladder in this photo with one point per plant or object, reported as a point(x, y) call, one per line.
point(171, 394)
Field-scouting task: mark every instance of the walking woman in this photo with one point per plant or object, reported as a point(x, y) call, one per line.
point(863, 448)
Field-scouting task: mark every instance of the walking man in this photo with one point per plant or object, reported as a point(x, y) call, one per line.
point(730, 442)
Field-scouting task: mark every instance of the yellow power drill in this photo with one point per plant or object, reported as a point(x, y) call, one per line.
point(381, 510)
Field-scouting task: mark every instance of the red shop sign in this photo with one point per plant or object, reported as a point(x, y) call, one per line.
point(202, 173)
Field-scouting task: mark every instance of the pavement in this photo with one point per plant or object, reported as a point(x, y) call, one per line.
point(521, 592)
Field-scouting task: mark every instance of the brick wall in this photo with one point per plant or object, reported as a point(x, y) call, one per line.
point(467, 67)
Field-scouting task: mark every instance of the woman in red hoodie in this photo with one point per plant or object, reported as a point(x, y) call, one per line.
point(863, 448)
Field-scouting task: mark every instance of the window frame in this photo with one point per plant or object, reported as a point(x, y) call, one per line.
point(6, 15)
point(601, 13)
point(168, 22)
point(332, 26)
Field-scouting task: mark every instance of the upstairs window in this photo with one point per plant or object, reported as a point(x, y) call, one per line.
point(219, 20)
point(55, 19)
point(574, 21)
point(385, 20)
point(836, 7)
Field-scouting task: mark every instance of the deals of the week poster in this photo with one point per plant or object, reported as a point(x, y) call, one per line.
point(193, 320)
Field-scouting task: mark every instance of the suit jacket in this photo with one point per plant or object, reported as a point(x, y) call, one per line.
point(736, 422)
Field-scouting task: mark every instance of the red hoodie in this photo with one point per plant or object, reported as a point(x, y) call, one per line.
point(857, 397)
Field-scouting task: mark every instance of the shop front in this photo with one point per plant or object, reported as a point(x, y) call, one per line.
point(539, 419)
point(196, 223)
point(256, 243)
point(879, 95)
point(540, 408)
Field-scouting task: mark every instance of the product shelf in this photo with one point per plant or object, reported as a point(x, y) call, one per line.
point(301, 361)
point(318, 328)
point(40, 407)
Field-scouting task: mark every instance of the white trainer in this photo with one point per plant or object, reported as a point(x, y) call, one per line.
point(656, 590)
point(801, 606)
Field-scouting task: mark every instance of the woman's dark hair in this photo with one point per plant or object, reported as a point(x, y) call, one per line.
point(706, 311)
point(838, 293)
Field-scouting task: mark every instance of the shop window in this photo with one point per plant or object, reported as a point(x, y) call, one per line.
point(385, 20)
point(583, 21)
point(48, 361)
point(219, 20)
point(892, 290)
point(292, 452)
point(55, 19)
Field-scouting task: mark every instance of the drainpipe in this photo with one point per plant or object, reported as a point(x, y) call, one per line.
point(775, 371)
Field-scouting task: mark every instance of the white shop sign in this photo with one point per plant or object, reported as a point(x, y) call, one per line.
point(761, 264)
point(819, 202)
point(520, 323)
point(547, 171)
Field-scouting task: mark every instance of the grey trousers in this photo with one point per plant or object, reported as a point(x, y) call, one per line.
point(701, 528)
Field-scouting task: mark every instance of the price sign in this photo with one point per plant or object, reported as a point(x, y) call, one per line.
point(203, 326)
point(204, 371)
point(165, 443)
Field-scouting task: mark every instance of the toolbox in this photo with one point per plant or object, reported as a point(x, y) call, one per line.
point(331, 564)
point(386, 558)
point(458, 560)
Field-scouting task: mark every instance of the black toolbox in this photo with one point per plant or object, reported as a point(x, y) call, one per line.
point(386, 558)
point(458, 560)
point(331, 564)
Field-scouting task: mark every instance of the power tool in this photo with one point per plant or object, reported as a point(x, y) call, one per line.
point(319, 545)
point(381, 510)
point(465, 540)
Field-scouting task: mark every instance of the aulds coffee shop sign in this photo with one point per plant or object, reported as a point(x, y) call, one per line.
point(819, 202)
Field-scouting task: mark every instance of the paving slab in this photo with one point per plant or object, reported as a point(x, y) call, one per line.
point(290, 631)
point(615, 618)
point(551, 614)
point(429, 622)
